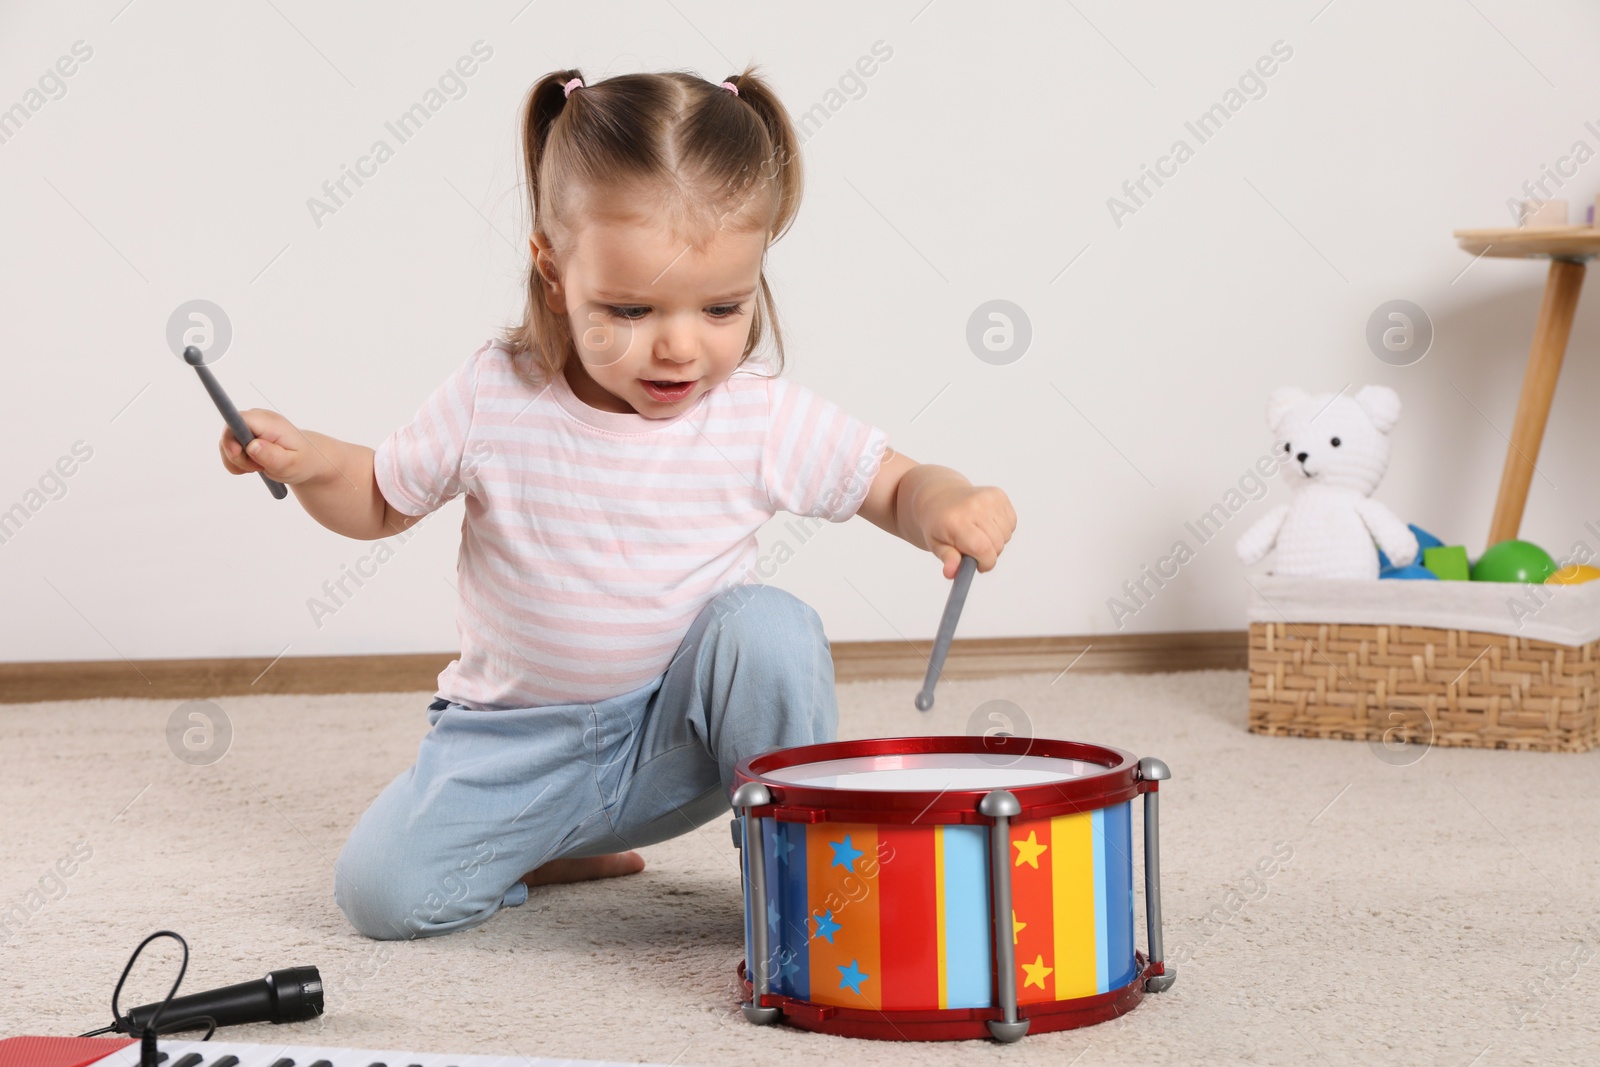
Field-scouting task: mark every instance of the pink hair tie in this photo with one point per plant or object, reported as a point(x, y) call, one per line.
point(575, 83)
point(732, 88)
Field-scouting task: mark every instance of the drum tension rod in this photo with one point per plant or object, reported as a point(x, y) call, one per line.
point(747, 797)
point(1002, 806)
point(1155, 772)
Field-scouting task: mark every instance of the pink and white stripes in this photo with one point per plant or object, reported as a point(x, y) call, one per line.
point(592, 539)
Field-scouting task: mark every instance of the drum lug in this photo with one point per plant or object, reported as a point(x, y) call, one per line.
point(1154, 771)
point(746, 799)
point(998, 804)
point(752, 795)
point(1001, 806)
point(1001, 1030)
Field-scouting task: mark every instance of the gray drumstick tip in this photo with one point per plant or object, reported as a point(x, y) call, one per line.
point(947, 629)
point(230, 414)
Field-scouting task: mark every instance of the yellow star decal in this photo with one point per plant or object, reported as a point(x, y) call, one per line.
point(1028, 851)
point(1036, 972)
point(1016, 927)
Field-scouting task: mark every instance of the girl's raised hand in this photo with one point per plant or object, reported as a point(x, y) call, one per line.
point(280, 449)
point(968, 520)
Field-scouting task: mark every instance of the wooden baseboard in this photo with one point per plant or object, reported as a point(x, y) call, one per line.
point(985, 657)
point(978, 657)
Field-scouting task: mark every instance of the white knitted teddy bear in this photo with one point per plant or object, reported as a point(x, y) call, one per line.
point(1334, 450)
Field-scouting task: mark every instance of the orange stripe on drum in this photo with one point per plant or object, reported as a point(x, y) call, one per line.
point(842, 884)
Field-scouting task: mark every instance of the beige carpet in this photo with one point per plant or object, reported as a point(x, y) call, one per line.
point(1438, 912)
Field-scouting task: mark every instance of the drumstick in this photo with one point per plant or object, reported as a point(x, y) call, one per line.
point(230, 414)
point(947, 629)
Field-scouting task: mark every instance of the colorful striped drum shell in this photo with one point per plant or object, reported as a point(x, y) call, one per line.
point(897, 916)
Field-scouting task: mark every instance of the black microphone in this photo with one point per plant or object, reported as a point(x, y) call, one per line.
point(289, 995)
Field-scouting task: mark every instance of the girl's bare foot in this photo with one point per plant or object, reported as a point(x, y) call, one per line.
point(585, 868)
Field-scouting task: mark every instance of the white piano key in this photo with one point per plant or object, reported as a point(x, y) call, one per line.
point(254, 1055)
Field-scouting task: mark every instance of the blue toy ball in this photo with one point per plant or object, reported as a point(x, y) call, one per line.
point(1425, 541)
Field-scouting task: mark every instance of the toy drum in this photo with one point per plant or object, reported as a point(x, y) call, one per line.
point(941, 888)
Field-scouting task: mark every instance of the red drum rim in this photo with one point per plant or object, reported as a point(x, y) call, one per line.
point(1119, 781)
point(954, 1024)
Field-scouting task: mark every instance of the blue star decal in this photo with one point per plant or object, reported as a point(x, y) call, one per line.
point(844, 853)
point(772, 915)
point(826, 927)
point(783, 848)
point(790, 968)
point(851, 976)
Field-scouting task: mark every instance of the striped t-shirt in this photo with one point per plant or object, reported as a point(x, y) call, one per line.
point(593, 538)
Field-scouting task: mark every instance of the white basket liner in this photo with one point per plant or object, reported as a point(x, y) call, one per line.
point(1567, 615)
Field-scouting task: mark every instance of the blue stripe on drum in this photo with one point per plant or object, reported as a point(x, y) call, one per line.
point(1119, 894)
point(769, 857)
point(749, 933)
point(1097, 838)
point(784, 942)
point(969, 973)
point(794, 960)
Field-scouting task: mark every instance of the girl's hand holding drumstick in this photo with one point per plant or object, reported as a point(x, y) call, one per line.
point(959, 519)
point(277, 450)
point(966, 526)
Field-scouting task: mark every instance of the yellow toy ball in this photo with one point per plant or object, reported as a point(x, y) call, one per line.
point(1576, 574)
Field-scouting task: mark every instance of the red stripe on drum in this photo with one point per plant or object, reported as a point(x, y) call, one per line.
point(907, 918)
point(1033, 910)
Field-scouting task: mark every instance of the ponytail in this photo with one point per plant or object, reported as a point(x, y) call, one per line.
point(716, 158)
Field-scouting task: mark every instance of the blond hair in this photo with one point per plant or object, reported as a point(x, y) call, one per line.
point(705, 157)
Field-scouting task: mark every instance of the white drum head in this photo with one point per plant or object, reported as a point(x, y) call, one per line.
point(933, 772)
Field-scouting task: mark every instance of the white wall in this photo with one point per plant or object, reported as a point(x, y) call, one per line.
point(976, 165)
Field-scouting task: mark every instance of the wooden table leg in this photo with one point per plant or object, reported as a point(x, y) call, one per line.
point(1561, 289)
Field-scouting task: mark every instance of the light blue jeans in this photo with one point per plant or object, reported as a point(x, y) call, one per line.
point(495, 794)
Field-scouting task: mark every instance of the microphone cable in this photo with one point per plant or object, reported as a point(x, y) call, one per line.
point(148, 1032)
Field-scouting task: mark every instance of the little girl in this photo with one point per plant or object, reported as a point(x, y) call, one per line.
point(617, 659)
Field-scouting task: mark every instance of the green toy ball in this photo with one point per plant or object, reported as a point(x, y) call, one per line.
point(1514, 561)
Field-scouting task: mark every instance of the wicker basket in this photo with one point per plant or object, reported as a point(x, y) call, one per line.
point(1395, 681)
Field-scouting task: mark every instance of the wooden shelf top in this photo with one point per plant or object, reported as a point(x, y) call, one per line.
point(1560, 242)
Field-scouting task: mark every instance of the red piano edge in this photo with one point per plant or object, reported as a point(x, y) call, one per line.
point(58, 1051)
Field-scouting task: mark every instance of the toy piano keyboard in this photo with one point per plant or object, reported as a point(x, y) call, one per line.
point(124, 1052)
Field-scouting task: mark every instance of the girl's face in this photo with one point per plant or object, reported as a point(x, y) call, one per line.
point(655, 321)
